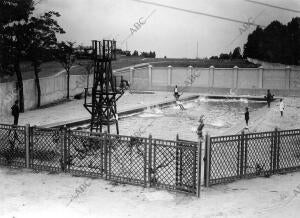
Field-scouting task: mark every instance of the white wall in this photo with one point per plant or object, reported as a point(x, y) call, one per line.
point(243, 79)
point(52, 89)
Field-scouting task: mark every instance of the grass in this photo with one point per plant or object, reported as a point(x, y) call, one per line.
point(53, 67)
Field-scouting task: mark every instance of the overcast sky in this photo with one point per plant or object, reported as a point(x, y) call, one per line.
point(168, 32)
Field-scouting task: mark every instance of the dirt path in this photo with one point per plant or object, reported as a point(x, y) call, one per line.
point(25, 194)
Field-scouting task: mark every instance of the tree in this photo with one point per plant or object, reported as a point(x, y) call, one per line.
point(88, 66)
point(213, 58)
point(236, 54)
point(224, 56)
point(14, 15)
point(293, 37)
point(41, 39)
point(276, 43)
point(254, 46)
point(135, 53)
point(65, 55)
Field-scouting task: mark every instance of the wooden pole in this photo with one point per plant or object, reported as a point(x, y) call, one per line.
point(199, 159)
point(27, 144)
point(207, 161)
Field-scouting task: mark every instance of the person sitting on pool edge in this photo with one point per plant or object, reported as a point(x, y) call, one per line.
point(269, 97)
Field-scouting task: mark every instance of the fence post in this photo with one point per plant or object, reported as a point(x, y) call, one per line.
point(274, 148)
point(150, 160)
point(245, 155)
point(178, 168)
point(105, 154)
point(278, 151)
point(207, 161)
point(65, 141)
point(203, 150)
point(199, 159)
point(145, 163)
point(27, 145)
point(176, 165)
point(241, 155)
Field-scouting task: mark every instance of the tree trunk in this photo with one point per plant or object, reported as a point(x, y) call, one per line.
point(19, 85)
point(68, 84)
point(37, 82)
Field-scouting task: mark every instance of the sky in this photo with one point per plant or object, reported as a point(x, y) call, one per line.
point(168, 32)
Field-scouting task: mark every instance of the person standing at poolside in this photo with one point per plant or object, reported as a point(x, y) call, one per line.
point(247, 117)
point(15, 111)
point(281, 107)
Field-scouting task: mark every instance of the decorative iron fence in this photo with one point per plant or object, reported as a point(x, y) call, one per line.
point(250, 155)
point(46, 149)
point(174, 165)
point(171, 165)
point(12, 145)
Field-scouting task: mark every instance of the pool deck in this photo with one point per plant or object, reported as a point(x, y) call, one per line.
point(73, 111)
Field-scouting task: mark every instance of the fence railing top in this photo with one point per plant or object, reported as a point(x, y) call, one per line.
point(255, 134)
point(6, 126)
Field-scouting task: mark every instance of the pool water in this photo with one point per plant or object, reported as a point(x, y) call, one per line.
point(165, 123)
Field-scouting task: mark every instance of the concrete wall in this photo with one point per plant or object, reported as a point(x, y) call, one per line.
point(52, 89)
point(160, 76)
point(252, 81)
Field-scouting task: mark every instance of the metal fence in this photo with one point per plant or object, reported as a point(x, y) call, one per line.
point(171, 165)
point(250, 155)
point(12, 145)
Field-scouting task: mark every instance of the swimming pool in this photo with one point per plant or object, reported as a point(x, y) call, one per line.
point(165, 123)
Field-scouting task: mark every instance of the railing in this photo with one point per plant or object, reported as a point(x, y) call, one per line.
point(12, 145)
point(171, 165)
point(250, 155)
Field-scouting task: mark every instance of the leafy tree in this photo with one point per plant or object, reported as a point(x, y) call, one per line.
point(14, 15)
point(236, 54)
point(135, 53)
point(224, 56)
point(275, 43)
point(41, 39)
point(293, 37)
point(214, 57)
point(148, 55)
point(254, 46)
point(65, 55)
point(88, 66)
